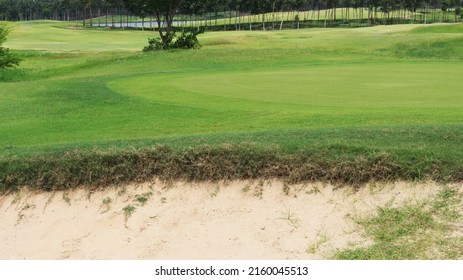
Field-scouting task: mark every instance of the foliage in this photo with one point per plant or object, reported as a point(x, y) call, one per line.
point(6, 58)
point(155, 44)
point(458, 11)
point(186, 40)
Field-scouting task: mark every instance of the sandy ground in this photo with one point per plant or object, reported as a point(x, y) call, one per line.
point(236, 220)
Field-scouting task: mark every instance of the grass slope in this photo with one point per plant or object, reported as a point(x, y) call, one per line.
point(340, 94)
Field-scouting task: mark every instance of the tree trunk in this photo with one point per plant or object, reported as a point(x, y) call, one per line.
point(112, 18)
point(67, 10)
point(263, 21)
point(91, 14)
point(85, 15)
point(106, 17)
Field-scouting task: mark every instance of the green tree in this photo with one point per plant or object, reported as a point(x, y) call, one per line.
point(6, 58)
point(164, 12)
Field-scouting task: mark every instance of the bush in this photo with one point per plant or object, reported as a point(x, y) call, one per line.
point(187, 40)
point(6, 58)
point(154, 44)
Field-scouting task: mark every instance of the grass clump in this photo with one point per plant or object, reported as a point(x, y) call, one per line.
point(105, 205)
point(142, 199)
point(420, 230)
point(288, 216)
point(128, 211)
point(322, 239)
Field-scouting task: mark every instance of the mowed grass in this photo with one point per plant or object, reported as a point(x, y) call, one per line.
point(51, 36)
point(333, 92)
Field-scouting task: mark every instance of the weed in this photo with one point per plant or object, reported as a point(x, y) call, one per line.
point(163, 200)
point(128, 211)
point(142, 199)
point(122, 191)
point(321, 239)
point(89, 194)
point(105, 205)
point(286, 189)
point(17, 198)
point(21, 211)
point(216, 191)
point(415, 230)
point(66, 198)
point(107, 201)
point(314, 190)
point(444, 204)
point(259, 191)
point(49, 200)
point(290, 218)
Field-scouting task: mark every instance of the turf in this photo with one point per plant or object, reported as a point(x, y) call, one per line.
point(394, 89)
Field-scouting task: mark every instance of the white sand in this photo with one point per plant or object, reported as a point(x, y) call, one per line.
point(238, 220)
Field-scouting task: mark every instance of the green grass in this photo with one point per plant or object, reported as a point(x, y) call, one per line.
point(51, 36)
point(416, 230)
point(438, 28)
point(128, 211)
point(337, 93)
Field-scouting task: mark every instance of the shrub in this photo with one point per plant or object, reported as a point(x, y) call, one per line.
point(186, 40)
point(6, 58)
point(154, 44)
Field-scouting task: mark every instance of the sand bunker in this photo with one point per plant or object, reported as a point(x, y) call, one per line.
point(237, 220)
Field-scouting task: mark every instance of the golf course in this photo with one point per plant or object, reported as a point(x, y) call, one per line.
point(340, 94)
point(348, 107)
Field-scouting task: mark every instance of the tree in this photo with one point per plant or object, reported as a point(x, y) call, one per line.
point(164, 12)
point(6, 58)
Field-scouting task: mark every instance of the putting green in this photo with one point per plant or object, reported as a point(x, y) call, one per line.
point(393, 85)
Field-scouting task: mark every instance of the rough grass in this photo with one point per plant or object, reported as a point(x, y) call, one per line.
point(432, 49)
point(222, 162)
point(440, 28)
point(416, 230)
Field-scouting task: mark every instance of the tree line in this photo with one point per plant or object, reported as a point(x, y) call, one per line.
point(86, 10)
